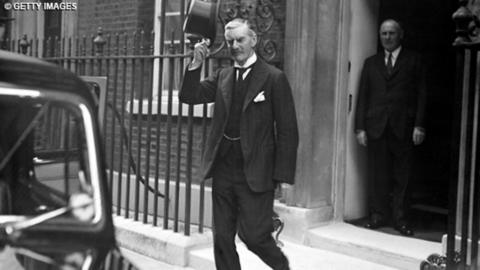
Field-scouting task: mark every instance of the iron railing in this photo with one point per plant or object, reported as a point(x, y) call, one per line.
point(152, 142)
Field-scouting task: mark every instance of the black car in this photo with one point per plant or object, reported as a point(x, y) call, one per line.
point(55, 210)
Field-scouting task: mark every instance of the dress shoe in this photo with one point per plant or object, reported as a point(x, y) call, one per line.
point(404, 229)
point(374, 223)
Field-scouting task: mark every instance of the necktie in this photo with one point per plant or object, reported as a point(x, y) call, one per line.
point(389, 64)
point(241, 71)
point(232, 128)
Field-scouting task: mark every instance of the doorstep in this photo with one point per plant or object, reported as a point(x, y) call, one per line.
point(159, 244)
point(400, 252)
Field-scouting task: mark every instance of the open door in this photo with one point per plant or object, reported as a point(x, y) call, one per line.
point(363, 43)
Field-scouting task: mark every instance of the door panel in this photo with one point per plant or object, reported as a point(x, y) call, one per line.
point(363, 43)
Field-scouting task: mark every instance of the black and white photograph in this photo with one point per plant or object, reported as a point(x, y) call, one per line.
point(239, 134)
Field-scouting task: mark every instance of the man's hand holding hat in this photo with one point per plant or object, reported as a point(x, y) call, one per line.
point(200, 52)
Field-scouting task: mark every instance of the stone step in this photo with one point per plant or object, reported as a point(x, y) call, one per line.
point(301, 258)
point(400, 252)
point(331, 246)
point(157, 243)
point(146, 263)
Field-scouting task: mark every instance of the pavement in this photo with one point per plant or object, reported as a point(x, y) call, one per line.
point(146, 263)
point(301, 258)
point(335, 246)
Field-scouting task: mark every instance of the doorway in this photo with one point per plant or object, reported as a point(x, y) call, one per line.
point(429, 30)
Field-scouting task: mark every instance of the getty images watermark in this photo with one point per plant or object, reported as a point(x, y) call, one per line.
point(34, 6)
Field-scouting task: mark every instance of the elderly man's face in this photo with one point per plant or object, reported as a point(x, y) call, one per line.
point(241, 43)
point(390, 35)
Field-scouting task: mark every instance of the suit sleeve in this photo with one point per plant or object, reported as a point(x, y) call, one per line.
point(286, 131)
point(421, 93)
point(361, 109)
point(194, 91)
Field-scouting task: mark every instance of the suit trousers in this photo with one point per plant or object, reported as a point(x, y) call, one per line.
point(236, 208)
point(390, 169)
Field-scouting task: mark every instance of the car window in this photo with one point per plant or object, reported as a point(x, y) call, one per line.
point(44, 155)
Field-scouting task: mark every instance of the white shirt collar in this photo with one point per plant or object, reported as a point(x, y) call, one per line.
point(394, 54)
point(250, 61)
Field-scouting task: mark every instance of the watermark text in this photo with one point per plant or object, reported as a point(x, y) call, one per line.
point(36, 6)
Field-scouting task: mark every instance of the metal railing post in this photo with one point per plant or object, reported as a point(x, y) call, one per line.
point(171, 67)
point(24, 44)
point(99, 41)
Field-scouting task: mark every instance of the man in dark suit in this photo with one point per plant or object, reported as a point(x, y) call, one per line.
point(252, 145)
point(390, 118)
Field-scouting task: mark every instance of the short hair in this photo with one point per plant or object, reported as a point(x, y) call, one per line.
point(237, 22)
point(397, 23)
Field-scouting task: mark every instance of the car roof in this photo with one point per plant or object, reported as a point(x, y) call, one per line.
point(34, 73)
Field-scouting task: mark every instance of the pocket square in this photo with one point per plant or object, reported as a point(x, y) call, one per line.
point(260, 97)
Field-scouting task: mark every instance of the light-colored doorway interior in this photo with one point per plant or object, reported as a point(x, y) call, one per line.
point(363, 43)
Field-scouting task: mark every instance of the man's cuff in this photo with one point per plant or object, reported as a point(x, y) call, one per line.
point(283, 180)
point(194, 66)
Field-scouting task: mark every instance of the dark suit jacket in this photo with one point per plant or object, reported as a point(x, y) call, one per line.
point(398, 99)
point(268, 129)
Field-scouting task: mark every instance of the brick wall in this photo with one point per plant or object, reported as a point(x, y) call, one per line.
point(115, 16)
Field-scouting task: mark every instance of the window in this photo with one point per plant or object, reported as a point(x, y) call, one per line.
point(44, 159)
point(173, 24)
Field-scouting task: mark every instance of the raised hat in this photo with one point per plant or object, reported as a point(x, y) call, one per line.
point(201, 19)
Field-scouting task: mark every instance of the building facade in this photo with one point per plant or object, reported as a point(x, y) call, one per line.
point(320, 44)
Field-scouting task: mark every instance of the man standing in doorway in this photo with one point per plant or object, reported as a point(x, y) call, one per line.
point(389, 119)
point(252, 145)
